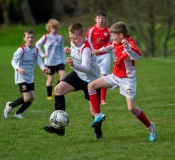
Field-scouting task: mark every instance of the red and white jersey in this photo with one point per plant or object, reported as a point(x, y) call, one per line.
point(53, 47)
point(98, 37)
point(125, 56)
point(85, 64)
point(26, 58)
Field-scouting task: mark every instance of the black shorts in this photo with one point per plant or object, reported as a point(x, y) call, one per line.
point(78, 84)
point(53, 69)
point(24, 87)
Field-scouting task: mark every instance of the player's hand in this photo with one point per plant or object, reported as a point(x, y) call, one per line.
point(67, 50)
point(44, 55)
point(21, 70)
point(94, 51)
point(125, 42)
point(45, 70)
point(70, 61)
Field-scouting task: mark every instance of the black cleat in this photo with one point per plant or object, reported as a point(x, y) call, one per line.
point(98, 135)
point(51, 129)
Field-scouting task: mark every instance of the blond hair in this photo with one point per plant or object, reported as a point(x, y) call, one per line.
point(52, 23)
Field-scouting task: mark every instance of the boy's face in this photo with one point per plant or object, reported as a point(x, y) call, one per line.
point(100, 20)
point(117, 38)
point(53, 30)
point(29, 39)
point(76, 39)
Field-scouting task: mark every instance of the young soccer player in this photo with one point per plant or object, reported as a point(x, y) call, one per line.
point(99, 35)
point(24, 62)
point(85, 70)
point(54, 54)
point(123, 76)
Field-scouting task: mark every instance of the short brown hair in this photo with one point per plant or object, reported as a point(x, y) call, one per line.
point(52, 23)
point(119, 27)
point(29, 31)
point(76, 28)
point(100, 13)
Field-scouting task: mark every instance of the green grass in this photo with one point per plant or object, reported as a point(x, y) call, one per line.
point(125, 137)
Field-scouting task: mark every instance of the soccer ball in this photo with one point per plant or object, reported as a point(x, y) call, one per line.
point(59, 119)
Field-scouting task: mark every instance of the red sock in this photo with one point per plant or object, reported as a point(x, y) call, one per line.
point(94, 99)
point(103, 93)
point(142, 117)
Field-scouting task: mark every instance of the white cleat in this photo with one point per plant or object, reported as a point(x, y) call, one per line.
point(7, 110)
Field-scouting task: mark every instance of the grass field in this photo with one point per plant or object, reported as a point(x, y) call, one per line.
point(125, 137)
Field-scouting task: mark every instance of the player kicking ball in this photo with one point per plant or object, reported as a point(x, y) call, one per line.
point(85, 70)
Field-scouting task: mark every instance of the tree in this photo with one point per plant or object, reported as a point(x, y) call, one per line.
point(27, 13)
point(4, 4)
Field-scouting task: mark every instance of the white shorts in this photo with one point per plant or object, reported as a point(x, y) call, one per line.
point(127, 85)
point(104, 62)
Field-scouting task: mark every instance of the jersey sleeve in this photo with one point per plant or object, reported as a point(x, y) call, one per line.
point(106, 48)
point(39, 44)
point(132, 51)
point(16, 58)
point(89, 36)
point(40, 62)
point(63, 56)
point(86, 60)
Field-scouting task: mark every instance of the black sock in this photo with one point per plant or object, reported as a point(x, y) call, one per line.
point(49, 90)
point(60, 103)
point(24, 106)
point(16, 102)
point(97, 129)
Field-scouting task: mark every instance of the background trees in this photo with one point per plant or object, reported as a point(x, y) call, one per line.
point(150, 22)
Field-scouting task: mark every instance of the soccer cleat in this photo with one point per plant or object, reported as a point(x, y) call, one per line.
point(152, 132)
point(7, 110)
point(49, 98)
point(98, 136)
point(98, 120)
point(103, 102)
point(51, 129)
point(18, 116)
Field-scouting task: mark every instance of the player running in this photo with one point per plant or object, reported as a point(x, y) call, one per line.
point(123, 76)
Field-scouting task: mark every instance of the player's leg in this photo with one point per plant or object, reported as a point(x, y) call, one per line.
point(61, 71)
point(94, 99)
point(62, 88)
point(103, 93)
point(98, 134)
point(49, 81)
point(128, 89)
point(28, 99)
point(10, 105)
point(142, 117)
point(104, 63)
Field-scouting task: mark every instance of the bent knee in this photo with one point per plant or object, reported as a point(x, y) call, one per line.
point(133, 110)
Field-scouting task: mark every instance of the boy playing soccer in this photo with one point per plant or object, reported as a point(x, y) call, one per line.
point(24, 62)
point(123, 76)
point(85, 70)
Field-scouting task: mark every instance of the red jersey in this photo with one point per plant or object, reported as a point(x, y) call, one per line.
point(98, 37)
point(125, 56)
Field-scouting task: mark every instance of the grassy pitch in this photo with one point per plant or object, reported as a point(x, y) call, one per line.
point(125, 137)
